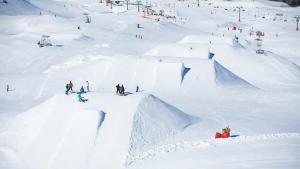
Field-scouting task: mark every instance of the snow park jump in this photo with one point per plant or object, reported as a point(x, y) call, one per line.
point(150, 84)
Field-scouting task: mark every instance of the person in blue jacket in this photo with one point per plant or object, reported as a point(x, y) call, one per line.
point(81, 90)
point(80, 98)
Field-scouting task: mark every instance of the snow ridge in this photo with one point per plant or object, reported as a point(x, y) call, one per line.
point(209, 143)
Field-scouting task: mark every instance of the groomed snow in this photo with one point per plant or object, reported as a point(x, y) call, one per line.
point(183, 97)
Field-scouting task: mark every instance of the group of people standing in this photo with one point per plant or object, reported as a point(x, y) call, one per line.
point(120, 89)
point(69, 88)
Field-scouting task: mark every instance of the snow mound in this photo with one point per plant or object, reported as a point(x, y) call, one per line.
point(225, 77)
point(63, 133)
point(153, 122)
point(210, 74)
point(168, 75)
point(134, 124)
point(18, 7)
point(56, 132)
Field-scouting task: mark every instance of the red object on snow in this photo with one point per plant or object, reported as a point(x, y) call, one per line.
point(223, 135)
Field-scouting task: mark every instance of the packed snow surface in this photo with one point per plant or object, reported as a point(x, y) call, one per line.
point(175, 98)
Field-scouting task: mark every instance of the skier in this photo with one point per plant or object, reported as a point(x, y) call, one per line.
point(7, 88)
point(81, 99)
point(81, 90)
point(137, 89)
point(87, 86)
point(118, 89)
point(67, 89)
point(71, 86)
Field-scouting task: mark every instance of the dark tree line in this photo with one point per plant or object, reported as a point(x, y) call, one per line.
point(290, 2)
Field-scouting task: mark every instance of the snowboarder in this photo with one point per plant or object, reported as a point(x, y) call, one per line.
point(118, 89)
point(71, 86)
point(81, 90)
point(7, 88)
point(87, 86)
point(137, 88)
point(67, 89)
point(81, 99)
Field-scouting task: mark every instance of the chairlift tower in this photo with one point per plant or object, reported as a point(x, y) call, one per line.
point(297, 20)
point(239, 7)
point(138, 4)
point(127, 1)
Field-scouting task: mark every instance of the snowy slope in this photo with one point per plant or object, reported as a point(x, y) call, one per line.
point(18, 7)
point(53, 135)
point(183, 98)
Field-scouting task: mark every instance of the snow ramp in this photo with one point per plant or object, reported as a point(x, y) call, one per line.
point(168, 75)
point(208, 74)
point(105, 132)
point(135, 124)
point(56, 134)
point(225, 77)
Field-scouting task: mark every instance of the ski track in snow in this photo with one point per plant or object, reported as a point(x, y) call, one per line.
point(204, 144)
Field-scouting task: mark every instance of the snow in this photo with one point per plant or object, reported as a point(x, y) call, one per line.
point(84, 131)
point(183, 97)
point(154, 121)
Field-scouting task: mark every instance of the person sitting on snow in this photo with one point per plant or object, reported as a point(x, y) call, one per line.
point(81, 99)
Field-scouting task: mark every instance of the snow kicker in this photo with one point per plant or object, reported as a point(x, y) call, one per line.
point(61, 130)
